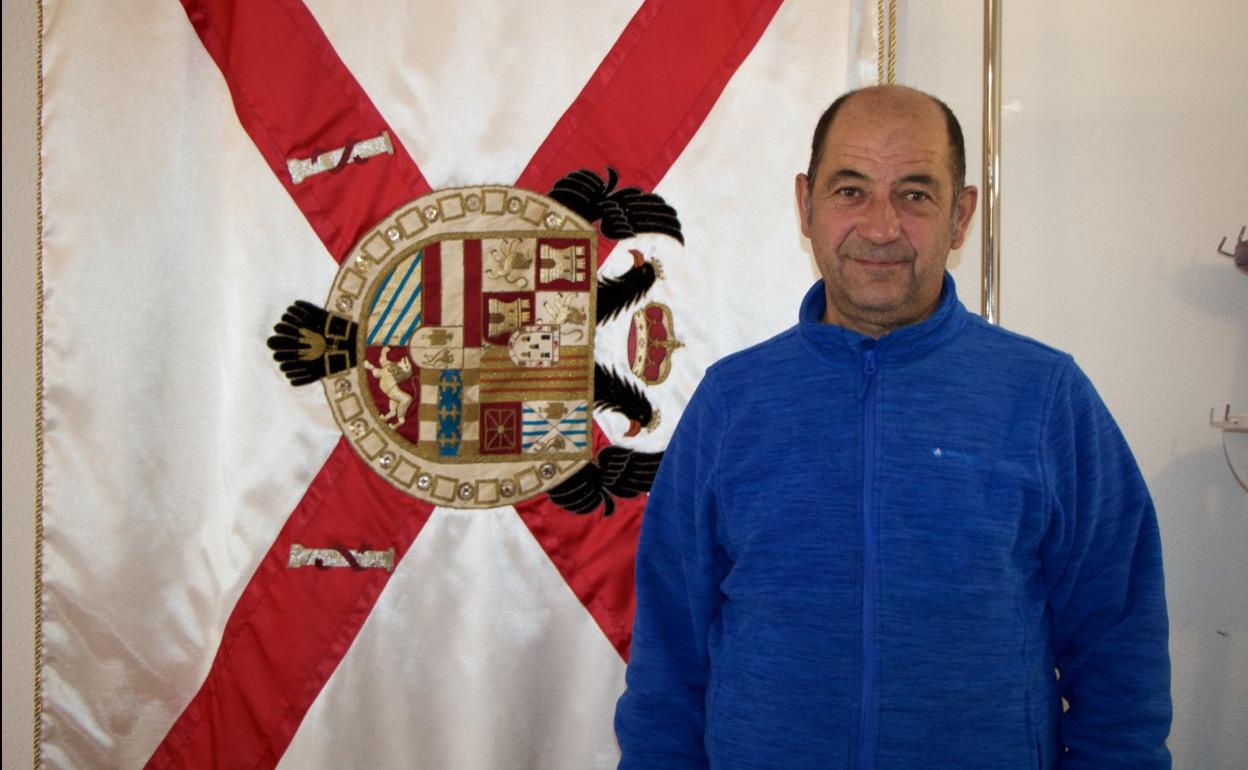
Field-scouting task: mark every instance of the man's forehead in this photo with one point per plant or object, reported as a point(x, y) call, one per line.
point(881, 154)
point(881, 160)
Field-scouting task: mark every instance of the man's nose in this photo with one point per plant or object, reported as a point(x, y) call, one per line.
point(879, 223)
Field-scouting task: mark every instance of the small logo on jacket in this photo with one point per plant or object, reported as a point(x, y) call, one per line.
point(941, 453)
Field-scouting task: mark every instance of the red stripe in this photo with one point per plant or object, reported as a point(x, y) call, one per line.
point(497, 392)
point(531, 375)
point(296, 99)
point(625, 119)
point(651, 93)
point(538, 377)
point(292, 626)
point(594, 554)
point(577, 365)
point(431, 286)
point(472, 293)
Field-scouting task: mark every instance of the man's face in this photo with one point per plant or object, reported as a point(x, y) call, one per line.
point(881, 212)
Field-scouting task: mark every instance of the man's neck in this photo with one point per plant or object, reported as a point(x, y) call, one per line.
point(874, 325)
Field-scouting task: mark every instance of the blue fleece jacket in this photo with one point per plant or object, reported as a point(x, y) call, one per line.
point(875, 554)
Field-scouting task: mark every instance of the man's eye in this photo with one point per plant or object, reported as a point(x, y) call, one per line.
point(915, 196)
point(847, 192)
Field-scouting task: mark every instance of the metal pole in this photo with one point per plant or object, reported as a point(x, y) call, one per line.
point(990, 296)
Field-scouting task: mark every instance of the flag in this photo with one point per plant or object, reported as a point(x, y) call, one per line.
point(227, 578)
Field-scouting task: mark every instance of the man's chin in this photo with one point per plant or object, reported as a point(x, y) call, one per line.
point(888, 310)
point(877, 303)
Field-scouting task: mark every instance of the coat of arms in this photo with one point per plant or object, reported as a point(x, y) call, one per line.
point(456, 347)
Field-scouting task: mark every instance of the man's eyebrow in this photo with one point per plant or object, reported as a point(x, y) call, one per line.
point(922, 179)
point(842, 173)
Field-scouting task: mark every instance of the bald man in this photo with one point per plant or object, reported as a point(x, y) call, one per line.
point(895, 536)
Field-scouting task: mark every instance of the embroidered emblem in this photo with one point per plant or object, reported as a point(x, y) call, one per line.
point(390, 375)
point(500, 428)
point(335, 160)
point(511, 260)
point(651, 340)
point(450, 423)
point(310, 343)
point(565, 313)
point(340, 557)
point(563, 263)
point(507, 315)
point(554, 426)
point(460, 365)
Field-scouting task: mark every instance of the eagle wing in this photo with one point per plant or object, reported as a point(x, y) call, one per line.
point(582, 492)
point(624, 213)
point(619, 293)
point(626, 473)
point(616, 472)
point(641, 212)
point(615, 394)
point(311, 342)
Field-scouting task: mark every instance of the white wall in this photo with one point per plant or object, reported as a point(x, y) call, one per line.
point(1125, 161)
point(1124, 164)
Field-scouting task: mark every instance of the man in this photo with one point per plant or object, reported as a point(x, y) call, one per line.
point(895, 536)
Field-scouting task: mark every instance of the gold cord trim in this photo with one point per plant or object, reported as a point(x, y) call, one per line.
point(885, 43)
point(879, 42)
point(38, 723)
point(892, 41)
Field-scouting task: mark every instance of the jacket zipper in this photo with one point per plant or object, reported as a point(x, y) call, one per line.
point(867, 738)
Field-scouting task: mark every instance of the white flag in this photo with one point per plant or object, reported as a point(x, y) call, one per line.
point(176, 450)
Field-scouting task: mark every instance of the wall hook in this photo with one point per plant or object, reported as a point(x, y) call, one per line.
point(1240, 254)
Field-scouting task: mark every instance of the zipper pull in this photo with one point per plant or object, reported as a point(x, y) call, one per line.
point(868, 361)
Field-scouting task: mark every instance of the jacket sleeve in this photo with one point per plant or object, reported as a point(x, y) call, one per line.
point(1106, 594)
point(660, 719)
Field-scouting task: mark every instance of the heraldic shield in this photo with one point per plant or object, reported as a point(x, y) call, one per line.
point(473, 311)
point(456, 347)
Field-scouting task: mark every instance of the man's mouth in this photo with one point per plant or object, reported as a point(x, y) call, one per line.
point(878, 264)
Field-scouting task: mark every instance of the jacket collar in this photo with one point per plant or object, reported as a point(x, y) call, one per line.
point(837, 342)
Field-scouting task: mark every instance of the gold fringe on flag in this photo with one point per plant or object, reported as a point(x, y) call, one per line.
point(38, 661)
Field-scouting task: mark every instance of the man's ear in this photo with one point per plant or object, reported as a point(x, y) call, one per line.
point(964, 211)
point(801, 189)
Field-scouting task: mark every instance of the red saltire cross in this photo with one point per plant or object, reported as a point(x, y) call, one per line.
point(637, 112)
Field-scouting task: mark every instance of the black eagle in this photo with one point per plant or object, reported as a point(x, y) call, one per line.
point(615, 472)
point(310, 343)
point(620, 213)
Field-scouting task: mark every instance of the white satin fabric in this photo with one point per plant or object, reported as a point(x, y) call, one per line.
point(175, 449)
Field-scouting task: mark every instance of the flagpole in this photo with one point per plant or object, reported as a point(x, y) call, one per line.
point(990, 297)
